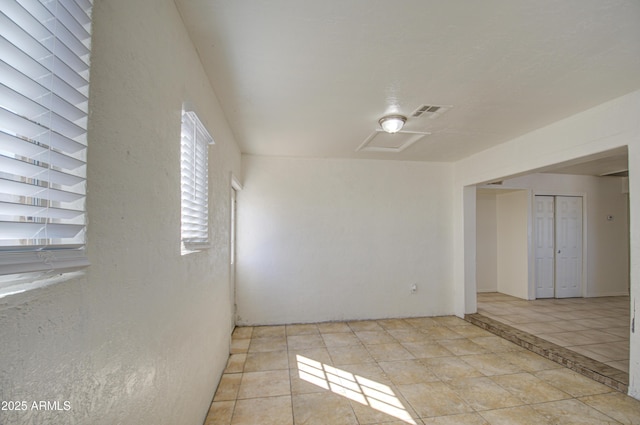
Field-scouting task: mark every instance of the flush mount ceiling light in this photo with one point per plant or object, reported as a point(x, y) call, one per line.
point(392, 123)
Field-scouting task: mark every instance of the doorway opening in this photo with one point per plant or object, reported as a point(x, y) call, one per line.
point(578, 298)
point(233, 207)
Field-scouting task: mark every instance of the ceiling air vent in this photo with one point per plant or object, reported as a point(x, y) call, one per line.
point(430, 111)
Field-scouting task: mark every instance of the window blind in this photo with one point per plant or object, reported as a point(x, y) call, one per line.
point(44, 85)
point(194, 182)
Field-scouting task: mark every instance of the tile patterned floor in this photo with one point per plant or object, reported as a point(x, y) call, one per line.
point(437, 370)
point(594, 327)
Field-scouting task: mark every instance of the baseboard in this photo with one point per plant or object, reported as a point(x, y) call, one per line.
point(608, 294)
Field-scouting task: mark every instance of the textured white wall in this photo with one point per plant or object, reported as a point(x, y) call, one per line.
point(608, 126)
point(512, 243)
point(323, 239)
point(143, 335)
point(486, 242)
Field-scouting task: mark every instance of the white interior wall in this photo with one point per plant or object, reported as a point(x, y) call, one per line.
point(512, 220)
point(142, 335)
point(607, 126)
point(324, 239)
point(486, 241)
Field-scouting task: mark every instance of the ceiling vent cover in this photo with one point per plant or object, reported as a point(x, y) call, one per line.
point(430, 111)
point(381, 141)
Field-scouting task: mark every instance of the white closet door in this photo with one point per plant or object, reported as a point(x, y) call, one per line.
point(545, 246)
point(568, 246)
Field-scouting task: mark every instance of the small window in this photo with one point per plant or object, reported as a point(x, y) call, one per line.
point(44, 89)
point(194, 177)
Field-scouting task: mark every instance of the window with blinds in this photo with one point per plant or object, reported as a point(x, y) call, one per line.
point(44, 86)
point(194, 178)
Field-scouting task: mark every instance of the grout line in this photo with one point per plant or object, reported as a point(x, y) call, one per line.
point(293, 415)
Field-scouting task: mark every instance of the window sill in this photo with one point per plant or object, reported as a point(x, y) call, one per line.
point(191, 248)
point(18, 283)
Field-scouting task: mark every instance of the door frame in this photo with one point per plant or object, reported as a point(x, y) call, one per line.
point(532, 245)
point(234, 189)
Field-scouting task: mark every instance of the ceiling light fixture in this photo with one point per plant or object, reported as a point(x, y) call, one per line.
point(392, 123)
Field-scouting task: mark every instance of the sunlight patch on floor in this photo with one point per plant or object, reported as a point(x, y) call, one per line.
point(361, 390)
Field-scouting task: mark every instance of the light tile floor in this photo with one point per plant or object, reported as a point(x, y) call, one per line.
point(419, 371)
point(594, 327)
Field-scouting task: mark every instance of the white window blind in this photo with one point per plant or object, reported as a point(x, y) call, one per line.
point(194, 182)
point(44, 85)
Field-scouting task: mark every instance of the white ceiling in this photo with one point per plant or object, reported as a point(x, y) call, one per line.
point(312, 78)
